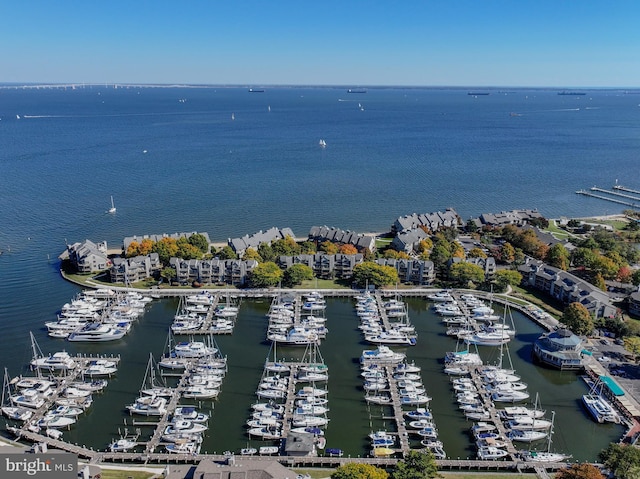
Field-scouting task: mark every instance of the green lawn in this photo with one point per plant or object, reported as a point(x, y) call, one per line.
point(125, 474)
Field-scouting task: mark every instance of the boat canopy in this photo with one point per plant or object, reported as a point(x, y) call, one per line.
point(613, 386)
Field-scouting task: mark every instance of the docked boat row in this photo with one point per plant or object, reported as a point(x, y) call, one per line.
point(48, 404)
point(92, 317)
point(204, 313)
point(199, 369)
point(291, 399)
point(384, 322)
point(297, 320)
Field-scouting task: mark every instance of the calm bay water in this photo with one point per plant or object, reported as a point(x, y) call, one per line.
point(174, 160)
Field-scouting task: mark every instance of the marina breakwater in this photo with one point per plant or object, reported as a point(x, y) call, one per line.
point(352, 419)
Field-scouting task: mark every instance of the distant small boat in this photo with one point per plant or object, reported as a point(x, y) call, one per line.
point(233, 116)
point(478, 93)
point(356, 90)
point(322, 143)
point(256, 90)
point(112, 210)
point(578, 93)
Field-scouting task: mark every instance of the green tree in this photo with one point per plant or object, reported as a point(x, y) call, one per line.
point(507, 277)
point(168, 274)
point(285, 247)
point(166, 248)
point(632, 345)
point(463, 273)
point(598, 281)
point(605, 266)
point(308, 247)
point(635, 277)
point(425, 245)
point(508, 253)
point(583, 257)
point(471, 226)
point(265, 275)
point(476, 253)
point(577, 318)
point(199, 241)
point(369, 273)
point(579, 471)
point(266, 252)
point(250, 254)
point(328, 247)
point(622, 460)
point(188, 251)
point(558, 257)
point(227, 253)
point(457, 251)
point(296, 274)
point(416, 465)
point(357, 470)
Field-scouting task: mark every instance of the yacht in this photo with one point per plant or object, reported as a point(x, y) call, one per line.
point(600, 409)
point(491, 453)
point(60, 361)
point(101, 367)
point(381, 354)
point(148, 406)
point(194, 349)
point(98, 332)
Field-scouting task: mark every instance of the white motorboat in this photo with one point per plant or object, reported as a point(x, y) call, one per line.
point(101, 367)
point(183, 447)
point(69, 411)
point(491, 453)
point(305, 420)
point(382, 354)
point(200, 392)
point(29, 398)
point(193, 349)
point(53, 421)
point(390, 337)
point(268, 450)
point(148, 406)
point(17, 413)
point(123, 445)
point(514, 412)
point(98, 332)
point(59, 361)
point(440, 296)
point(185, 427)
point(189, 413)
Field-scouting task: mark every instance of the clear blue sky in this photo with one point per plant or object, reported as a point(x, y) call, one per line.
point(553, 43)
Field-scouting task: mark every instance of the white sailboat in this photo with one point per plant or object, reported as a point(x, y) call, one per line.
point(322, 143)
point(112, 210)
point(547, 455)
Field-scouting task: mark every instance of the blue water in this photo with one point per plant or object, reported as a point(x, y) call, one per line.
point(174, 160)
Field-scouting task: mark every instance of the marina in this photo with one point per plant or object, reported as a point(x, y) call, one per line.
point(293, 361)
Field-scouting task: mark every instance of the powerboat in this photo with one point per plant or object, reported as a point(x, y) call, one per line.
point(59, 361)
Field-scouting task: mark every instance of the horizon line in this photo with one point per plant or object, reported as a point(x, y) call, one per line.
point(285, 85)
